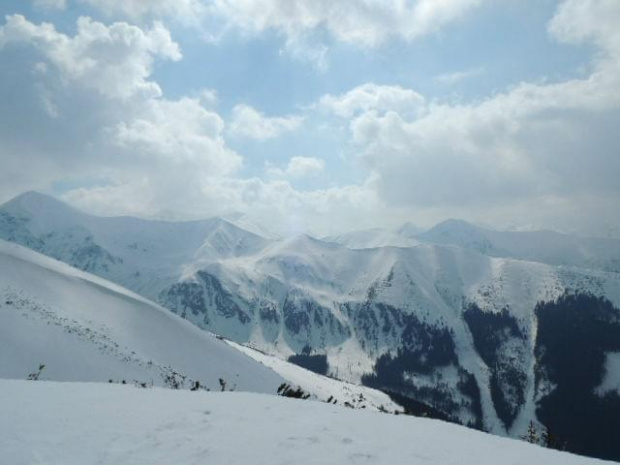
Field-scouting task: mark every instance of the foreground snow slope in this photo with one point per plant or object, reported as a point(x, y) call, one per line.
point(84, 328)
point(67, 423)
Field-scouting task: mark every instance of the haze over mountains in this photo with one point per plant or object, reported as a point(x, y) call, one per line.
point(458, 320)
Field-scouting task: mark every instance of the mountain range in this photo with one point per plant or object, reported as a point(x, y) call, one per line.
point(495, 330)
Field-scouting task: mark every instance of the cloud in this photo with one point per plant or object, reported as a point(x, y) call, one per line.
point(208, 97)
point(131, 151)
point(188, 12)
point(250, 123)
point(85, 106)
point(50, 4)
point(308, 27)
point(373, 97)
point(299, 167)
point(179, 131)
point(535, 144)
point(116, 61)
point(596, 21)
point(360, 22)
point(457, 77)
point(276, 203)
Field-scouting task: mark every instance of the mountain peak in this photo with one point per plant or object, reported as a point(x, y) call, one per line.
point(458, 232)
point(43, 211)
point(408, 229)
point(33, 200)
point(454, 224)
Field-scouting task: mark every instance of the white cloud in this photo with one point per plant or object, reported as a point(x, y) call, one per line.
point(143, 154)
point(85, 106)
point(373, 97)
point(527, 142)
point(457, 77)
point(90, 110)
point(249, 122)
point(361, 22)
point(302, 23)
point(298, 167)
point(50, 4)
point(208, 97)
point(578, 21)
point(276, 203)
point(535, 146)
point(115, 61)
point(179, 131)
point(189, 12)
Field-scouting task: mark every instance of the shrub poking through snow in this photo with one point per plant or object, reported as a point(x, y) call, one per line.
point(35, 376)
point(285, 390)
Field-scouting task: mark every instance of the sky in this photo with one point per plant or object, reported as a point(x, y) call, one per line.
point(317, 116)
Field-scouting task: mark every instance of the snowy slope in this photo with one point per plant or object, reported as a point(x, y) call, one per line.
point(83, 424)
point(86, 329)
point(322, 387)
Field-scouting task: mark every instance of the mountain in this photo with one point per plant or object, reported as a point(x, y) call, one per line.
point(242, 221)
point(83, 328)
point(548, 247)
point(469, 332)
point(76, 424)
point(471, 335)
point(143, 255)
point(373, 238)
point(409, 230)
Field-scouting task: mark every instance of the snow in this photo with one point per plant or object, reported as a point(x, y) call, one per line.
point(373, 238)
point(434, 277)
point(322, 387)
point(85, 329)
point(149, 254)
point(611, 380)
point(548, 247)
point(80, 424)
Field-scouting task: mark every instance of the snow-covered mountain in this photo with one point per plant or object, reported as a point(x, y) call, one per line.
point(465, 330)
point(469, 334)
point(77, 424)
point(541, 246)
point(373, 238)
point(143, 255)
point(83, 328)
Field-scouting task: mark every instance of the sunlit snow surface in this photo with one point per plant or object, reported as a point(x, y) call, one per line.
point(81, 424)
